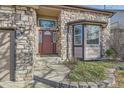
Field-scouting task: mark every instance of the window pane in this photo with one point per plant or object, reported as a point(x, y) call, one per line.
point(77, 40)
point(77, 30)
point(47, 23)
point(54, 37)
point(92, 34)
point(77, 35)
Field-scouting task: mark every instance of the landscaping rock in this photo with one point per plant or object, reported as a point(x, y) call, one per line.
point(120, 68)
point(101, 85)
point(106, 82)
point(64, 84)
point(109, 85)
point(83, 85)
point(92, 85)
point(75, 84)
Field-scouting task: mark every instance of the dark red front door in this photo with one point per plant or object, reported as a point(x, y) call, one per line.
point(47, 44)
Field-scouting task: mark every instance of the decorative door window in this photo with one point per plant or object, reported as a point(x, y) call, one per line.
point(47, 33)
point(92, 34)
point(40, 37)
point(54, 37)
point(78, 35)
point(46, 23)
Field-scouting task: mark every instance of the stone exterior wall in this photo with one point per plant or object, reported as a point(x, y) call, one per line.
point(68, 15)
point(58, 43)
point(105, 38)
point(24, 20)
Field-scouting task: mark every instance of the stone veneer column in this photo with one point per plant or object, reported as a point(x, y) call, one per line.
point(105, 38)
point(25, 43)
point(24, 20)
point(68, 15)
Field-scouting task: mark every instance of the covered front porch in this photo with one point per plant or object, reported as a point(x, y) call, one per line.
point(48, 32)
point(71, 32)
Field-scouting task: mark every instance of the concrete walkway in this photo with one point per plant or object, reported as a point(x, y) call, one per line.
point(20, 84)
point(50, 68)
point(23, 84)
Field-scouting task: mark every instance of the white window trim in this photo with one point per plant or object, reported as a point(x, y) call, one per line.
point(78, 35)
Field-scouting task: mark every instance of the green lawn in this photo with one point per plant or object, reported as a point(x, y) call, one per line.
point(90, 70)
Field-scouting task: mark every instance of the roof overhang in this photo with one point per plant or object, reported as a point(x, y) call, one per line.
point(75, 7)
point(80, 8)
point(46, 11)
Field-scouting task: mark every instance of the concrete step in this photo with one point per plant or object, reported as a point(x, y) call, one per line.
point(48, 59)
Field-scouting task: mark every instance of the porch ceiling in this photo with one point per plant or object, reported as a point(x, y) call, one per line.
point(48, 12)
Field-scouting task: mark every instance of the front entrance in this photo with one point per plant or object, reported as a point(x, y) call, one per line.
point(47, 43)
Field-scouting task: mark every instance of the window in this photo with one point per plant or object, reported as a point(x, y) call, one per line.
point(78, 35)
point(54, 37)
point(92, 34)
point(40, 37)
point(45, 23)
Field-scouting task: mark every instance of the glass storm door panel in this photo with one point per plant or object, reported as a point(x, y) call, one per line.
point(78, 41)
point(92, 48)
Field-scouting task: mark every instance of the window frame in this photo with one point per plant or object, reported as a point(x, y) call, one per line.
point(47, 19)
point(79, 35)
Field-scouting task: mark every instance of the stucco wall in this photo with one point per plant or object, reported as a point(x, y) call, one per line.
point(68, 15)
point(24, 20)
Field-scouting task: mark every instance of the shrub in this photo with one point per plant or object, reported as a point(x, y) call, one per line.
point(110, 52)
point(87, 72)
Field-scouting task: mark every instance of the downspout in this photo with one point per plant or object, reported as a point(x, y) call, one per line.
point(67, 58)
point(13, 36)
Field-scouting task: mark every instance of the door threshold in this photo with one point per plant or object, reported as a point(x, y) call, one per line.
point(49, 55)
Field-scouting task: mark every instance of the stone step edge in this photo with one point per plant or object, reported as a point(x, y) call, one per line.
point(62, 84)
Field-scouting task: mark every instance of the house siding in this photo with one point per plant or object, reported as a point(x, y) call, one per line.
point(68, 15)
point(24, 20)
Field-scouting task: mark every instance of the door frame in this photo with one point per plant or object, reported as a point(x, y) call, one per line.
point(12, 65)
point(42, 36)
